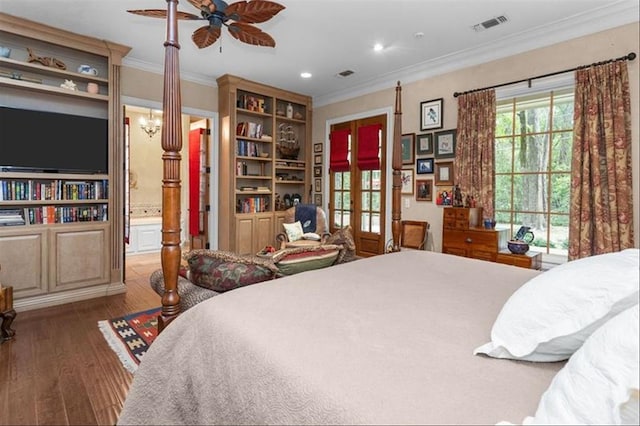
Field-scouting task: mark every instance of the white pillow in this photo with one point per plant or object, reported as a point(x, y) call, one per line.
point(293, 230)
point(311, 236)
point(551, 315)
point(600, 383)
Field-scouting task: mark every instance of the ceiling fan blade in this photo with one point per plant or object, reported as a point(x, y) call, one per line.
point(205, 36)
point(162, 13)
point(251, 35)
point(253, 12)
point(203, 5)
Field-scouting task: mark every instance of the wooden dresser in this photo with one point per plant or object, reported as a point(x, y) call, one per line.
point(463, 235)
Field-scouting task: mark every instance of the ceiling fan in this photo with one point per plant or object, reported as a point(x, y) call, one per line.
point(219, 13)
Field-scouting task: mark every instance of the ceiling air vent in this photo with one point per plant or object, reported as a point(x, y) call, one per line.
point(345, 73)
point(490, 23)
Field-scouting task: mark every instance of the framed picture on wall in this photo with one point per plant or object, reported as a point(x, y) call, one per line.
point(444, 173)
point(317, 185)
point(424, 144)
point(317, 147)
point(445, 144)
point(424, 191)
point(408, 142)
point(424, 166)
point(407, 182)
point(317, 159)
point(317, 171)
point(431, 114)
point(317, 199)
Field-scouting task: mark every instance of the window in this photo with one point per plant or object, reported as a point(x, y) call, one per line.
point(534, 135)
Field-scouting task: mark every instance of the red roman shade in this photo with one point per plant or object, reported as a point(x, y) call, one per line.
point(368, 147)
point(339, 155)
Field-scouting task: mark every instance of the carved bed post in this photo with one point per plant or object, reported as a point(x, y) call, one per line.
point(396, 164)
point(171, 144)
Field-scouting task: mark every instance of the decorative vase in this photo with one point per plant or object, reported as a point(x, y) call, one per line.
point(92, 88)
point(289, 111)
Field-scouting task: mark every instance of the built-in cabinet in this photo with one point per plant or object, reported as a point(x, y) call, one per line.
point(60, 240)
point(265, 139)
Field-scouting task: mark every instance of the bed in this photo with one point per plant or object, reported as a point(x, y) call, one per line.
point(399, 338)
point(347, 350)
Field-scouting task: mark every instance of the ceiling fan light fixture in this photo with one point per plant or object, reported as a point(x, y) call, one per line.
point(305, 74)
point(378, 47)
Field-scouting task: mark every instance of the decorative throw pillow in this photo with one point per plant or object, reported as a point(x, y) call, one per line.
point(222, 271)
point(551, 315)
point(293, 230)
point(600, 383)
point(295, 260)
point(344, 238)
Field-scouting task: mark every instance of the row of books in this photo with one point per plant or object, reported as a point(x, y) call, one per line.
point(247, 149)
point(11, 217)
point(24, 190)
point(252, 205)
point(249, 129)
point(51, 214)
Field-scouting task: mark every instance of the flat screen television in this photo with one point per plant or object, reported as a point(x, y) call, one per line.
point(43, 141)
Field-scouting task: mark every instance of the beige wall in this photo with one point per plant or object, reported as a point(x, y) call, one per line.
point(147, 85)
point(608, 44)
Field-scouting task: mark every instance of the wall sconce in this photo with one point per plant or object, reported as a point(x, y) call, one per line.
point(151, 125)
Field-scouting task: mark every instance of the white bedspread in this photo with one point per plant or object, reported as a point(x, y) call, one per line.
point(384, 340)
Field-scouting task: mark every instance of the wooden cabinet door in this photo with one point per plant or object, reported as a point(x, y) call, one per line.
point(263, 233)
point(244, 235)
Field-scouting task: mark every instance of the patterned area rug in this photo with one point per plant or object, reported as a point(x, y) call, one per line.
point(130, 336)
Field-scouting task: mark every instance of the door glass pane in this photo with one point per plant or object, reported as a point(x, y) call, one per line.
point(346, 200)
point(338, 181)
point(375, 223)
point(366, 179)
point(337, 219)
point(366, 199)
point(365, 226)
point(337, 197)
point(375, 201)
point(376, 180)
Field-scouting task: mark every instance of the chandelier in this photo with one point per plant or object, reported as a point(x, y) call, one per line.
point(151, 125)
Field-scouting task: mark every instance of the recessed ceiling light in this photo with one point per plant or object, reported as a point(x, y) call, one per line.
point(419, 34)
point(305, 74)
point(378, 47)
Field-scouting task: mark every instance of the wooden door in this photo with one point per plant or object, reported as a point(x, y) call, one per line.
point(357, 197)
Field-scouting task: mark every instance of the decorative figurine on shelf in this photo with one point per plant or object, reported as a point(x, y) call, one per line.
point(69, 84)
point(467, 201)
point(457, 196)
point(289, 111)
point(46, 61)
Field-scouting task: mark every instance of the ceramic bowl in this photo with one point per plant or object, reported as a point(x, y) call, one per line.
point(517, 247)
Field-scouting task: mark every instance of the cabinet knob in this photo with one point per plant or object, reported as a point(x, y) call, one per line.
point(468, 240)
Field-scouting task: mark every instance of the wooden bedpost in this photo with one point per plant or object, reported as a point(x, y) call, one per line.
point(171, 144)
point(396, 164)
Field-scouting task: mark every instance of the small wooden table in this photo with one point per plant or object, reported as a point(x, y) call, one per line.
point(7, 313)
point(530, 260)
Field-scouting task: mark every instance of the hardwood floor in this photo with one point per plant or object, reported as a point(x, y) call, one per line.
point(59, 369)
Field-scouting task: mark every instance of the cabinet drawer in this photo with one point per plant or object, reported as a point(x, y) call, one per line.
point(487, 241)
point(454, 250)
point(483, 255)
point(529, 260)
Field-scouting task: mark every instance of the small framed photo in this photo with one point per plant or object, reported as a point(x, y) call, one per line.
point(445, 144)
point(424, 144)
point(431, 114)
point(317, 147)
point(317, 171)
point(408, 142)
point(424, 191)
point(317, 185)
point(424, 166)
point(444, 173)
point(317, 159)
point(317, 199)
point(407, 182)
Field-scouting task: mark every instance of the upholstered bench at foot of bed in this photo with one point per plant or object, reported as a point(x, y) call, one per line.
point(190, 294)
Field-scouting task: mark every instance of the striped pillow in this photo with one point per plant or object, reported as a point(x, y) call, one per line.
point(295, 260)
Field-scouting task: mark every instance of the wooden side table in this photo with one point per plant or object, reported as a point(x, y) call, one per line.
point(530, 260)
point(7, 313)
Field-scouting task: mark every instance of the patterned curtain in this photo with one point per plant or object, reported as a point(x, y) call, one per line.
point(474, 162)
point(601, 211)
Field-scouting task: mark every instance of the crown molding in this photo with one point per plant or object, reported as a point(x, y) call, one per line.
point(159, 69)
point(610, 16)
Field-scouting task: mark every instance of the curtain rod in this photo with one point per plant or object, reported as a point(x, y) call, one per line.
point(630, 57)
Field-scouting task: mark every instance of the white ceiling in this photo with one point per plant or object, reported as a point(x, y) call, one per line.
point(325, 37)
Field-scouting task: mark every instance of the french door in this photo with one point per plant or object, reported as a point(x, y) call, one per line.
point(357, 197)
